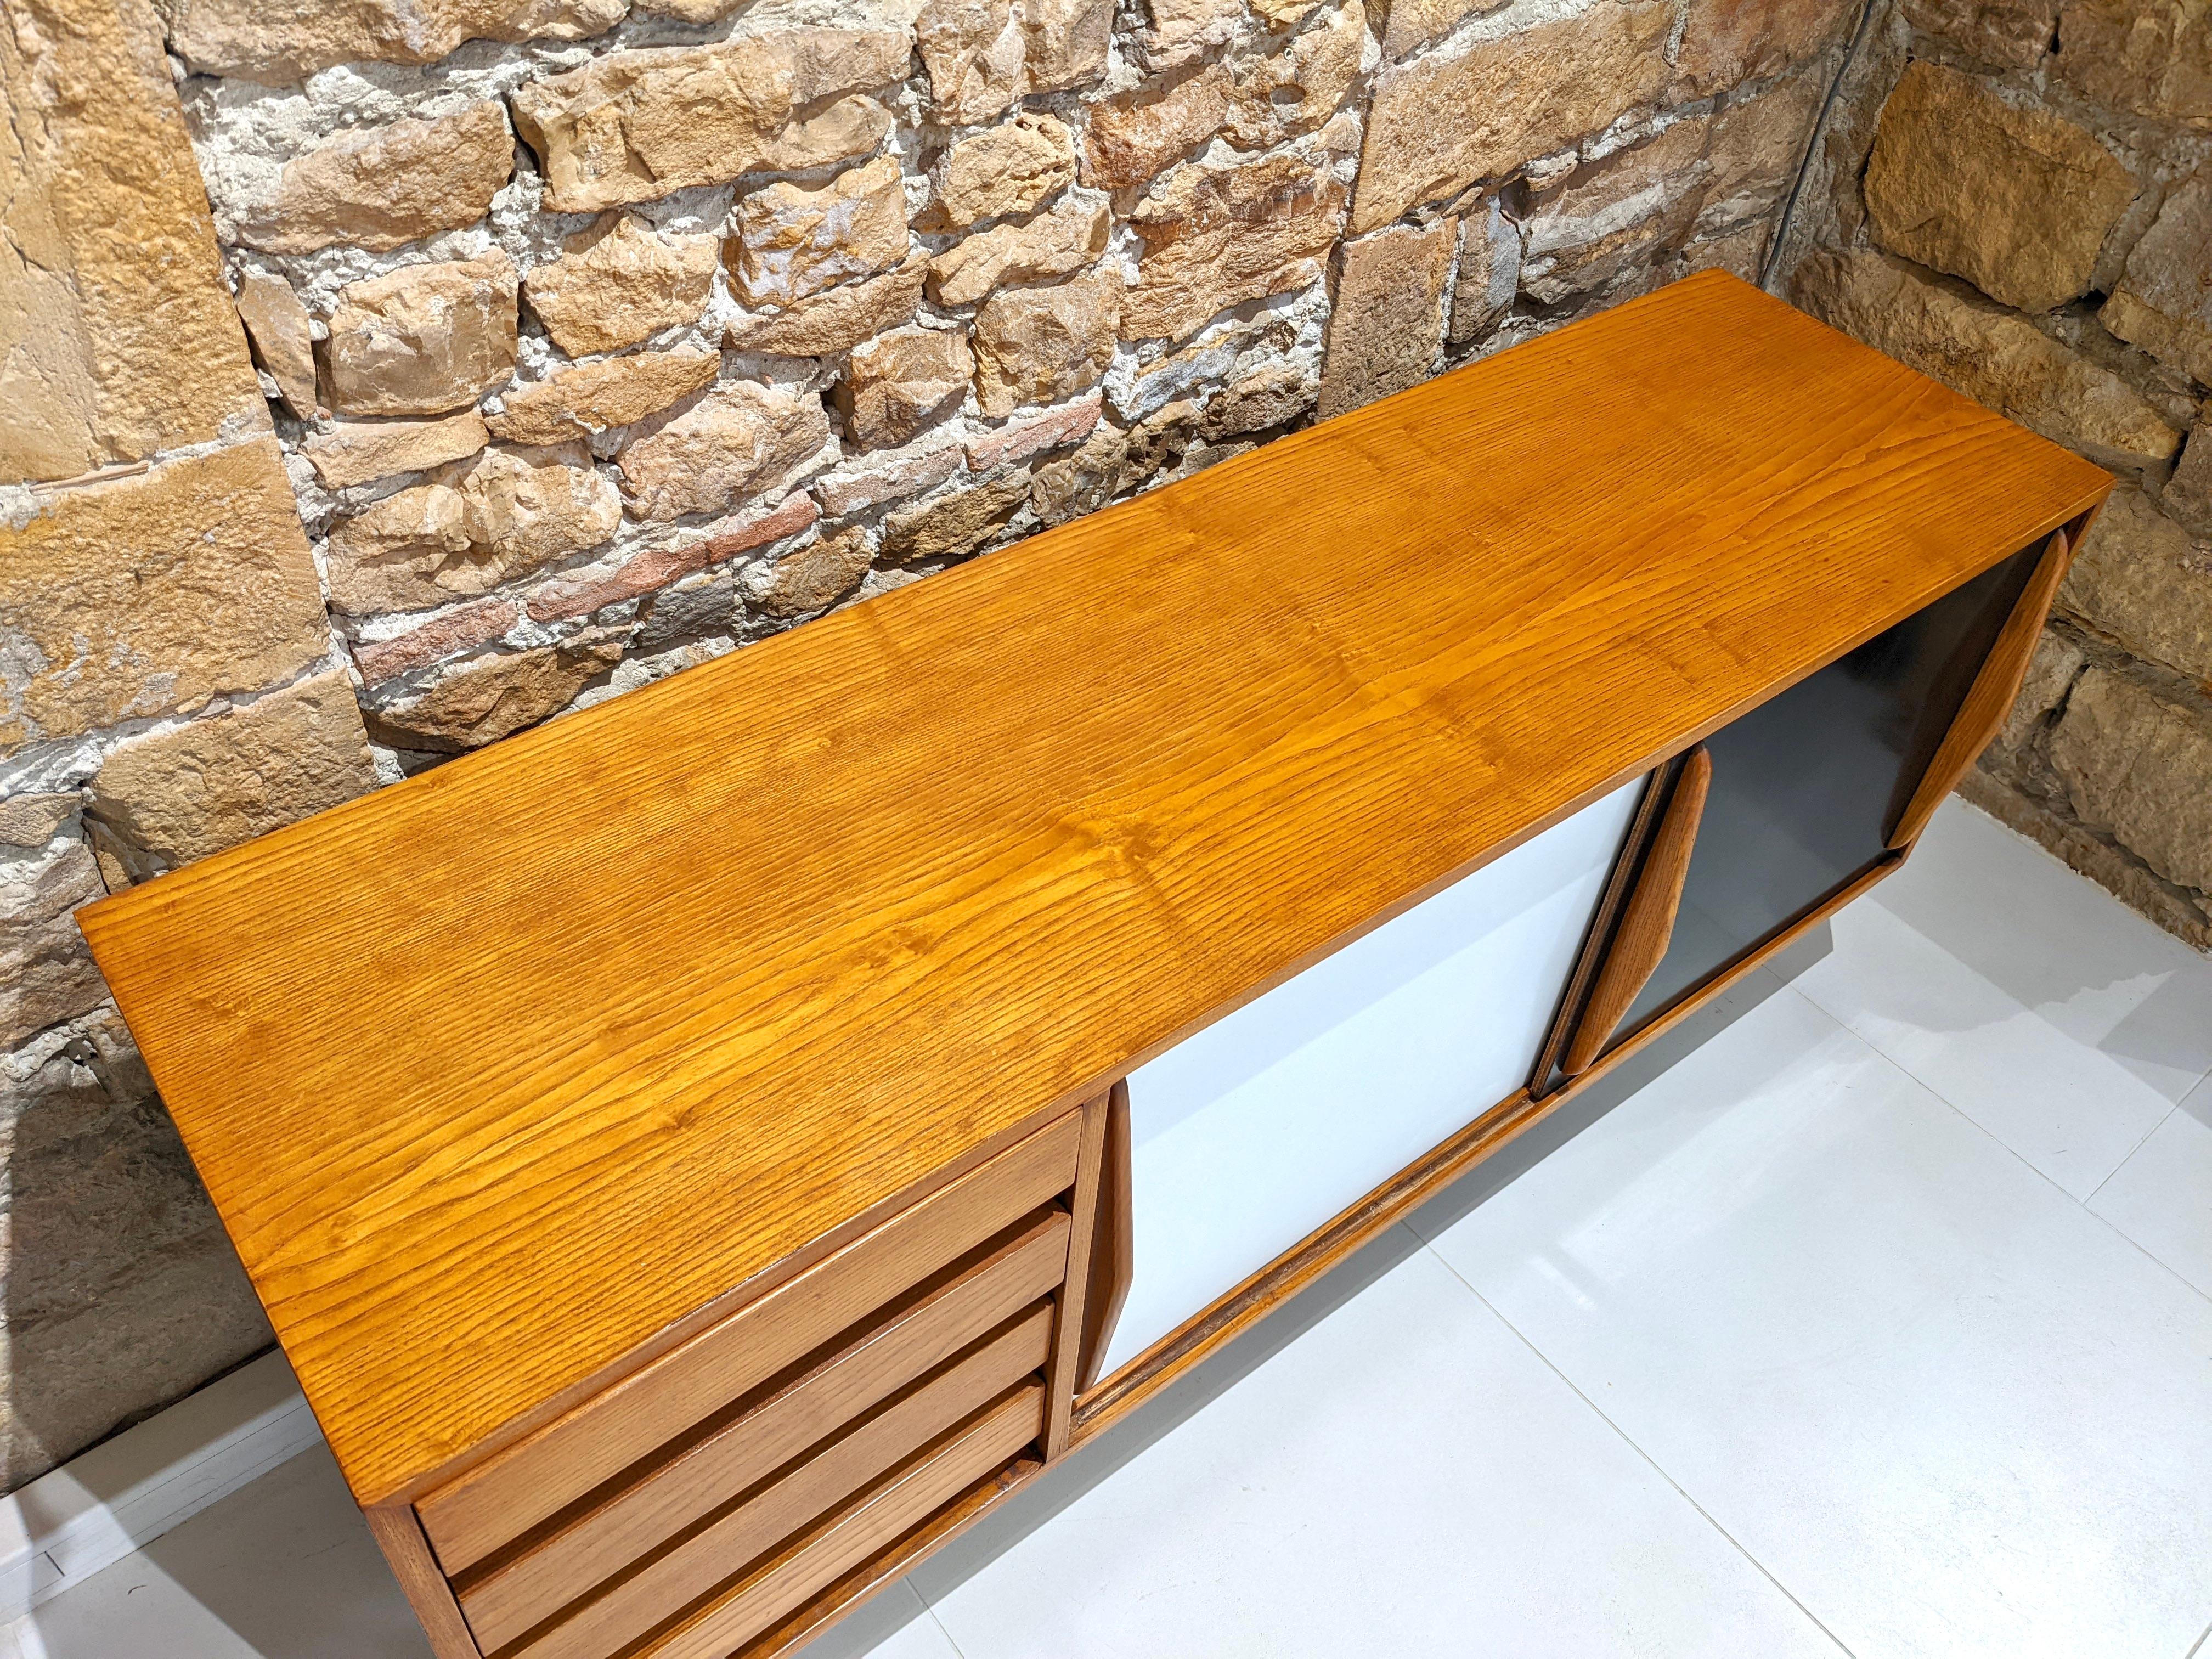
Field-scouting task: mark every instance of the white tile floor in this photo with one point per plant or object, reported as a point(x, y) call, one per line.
point(1875, 1321)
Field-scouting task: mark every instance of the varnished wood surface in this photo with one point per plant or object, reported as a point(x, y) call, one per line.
point(1647, 921)
point(496, 1501)
point(885, 1568)
point(494, 1074)
point(870, 1522)
point(1990, 698)
point(514, 1595)
point(398, 1535)
point(1070, 1301)
point(1113, 1261)
point(805, 1494)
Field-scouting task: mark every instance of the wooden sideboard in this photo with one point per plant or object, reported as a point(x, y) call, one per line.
point(701, 1154)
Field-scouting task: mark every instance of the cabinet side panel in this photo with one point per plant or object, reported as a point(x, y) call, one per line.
point(1259, 1128)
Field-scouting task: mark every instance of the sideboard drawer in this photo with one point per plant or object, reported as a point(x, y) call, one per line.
point(795, 1500)
point(923, 1484)
point(635, 1423)
point(716, 1468)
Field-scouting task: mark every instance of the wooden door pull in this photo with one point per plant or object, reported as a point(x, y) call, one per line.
point(1990, 699)
point(1647, 920)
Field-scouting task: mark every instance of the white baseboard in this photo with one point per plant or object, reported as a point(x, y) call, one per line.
point(127, 1492)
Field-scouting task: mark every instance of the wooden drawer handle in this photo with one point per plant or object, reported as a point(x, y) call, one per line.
point(1113, 1241)
point(1990, 699)
point(1647, 922)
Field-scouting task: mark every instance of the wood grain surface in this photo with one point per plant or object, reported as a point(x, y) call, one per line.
point(809, 1491)
point(1647, 921)
point(514, 1593)
point(496, 1073)
point(495, 1501)
point(872, 1522)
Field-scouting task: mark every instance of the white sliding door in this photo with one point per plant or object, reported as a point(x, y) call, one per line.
point(1259, 1128)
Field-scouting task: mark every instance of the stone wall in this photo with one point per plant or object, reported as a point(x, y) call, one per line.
point(2015, 196)
point(591, 339)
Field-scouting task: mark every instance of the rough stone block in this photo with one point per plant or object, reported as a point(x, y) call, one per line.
point(954, 525)
point(526, 508)
point(837, 318)
point(283, 339)
point(162, 800)
point(1066, 239)
point(285, 40)
point(656, 568)
point(581, 400)
point(793, 241)
point(2164, 302)
point(740, 440)
point(1386, 330)
point(1617, 219)
point(635, 125)
point(2016, 201)
point(870, 480)
point(1038, 345)
point(1299, 84)
point(425, 338)
point(1218, 233)
point(2150, 56)
point(1453, 119)
point(1993, 356)
point(2188, 497)
point(900, 382)
point(1033, 434)
point(814, 577)
point(111, 279)
point(148, 595)
point(2139, 580)
point(360, 451)
point(45, 972)
point(382, 187)
point(2053, 668)
point(1013, 167)
point(1132, 136)
point(2007, 33)
point(447, 635)
point(1726, 42)
point(1489, 273)
point(622, 283)
point(2134, 764)
point(482, 701)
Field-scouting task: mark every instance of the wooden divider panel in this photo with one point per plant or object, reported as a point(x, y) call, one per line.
point(1647, 921)
point(1991, 697)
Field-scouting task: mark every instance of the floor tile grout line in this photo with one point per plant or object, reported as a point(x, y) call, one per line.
point(1899, 1065)
point(926, 1608)
point(1629, 1440)
point(2132, 1150)
point(1999, 1142)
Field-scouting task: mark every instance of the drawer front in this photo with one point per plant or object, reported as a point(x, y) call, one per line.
point(808, 1492)
point(953, 1310)
point(925, 1483)
point(1261, 1128)
point(493, 1505)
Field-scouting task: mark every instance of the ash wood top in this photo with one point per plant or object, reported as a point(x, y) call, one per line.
point(494, 1074)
